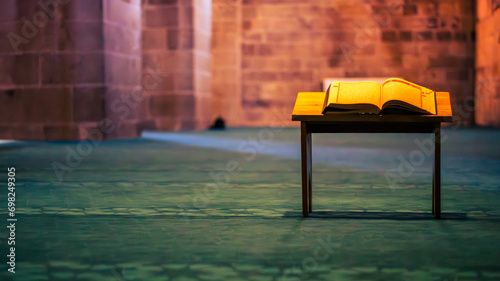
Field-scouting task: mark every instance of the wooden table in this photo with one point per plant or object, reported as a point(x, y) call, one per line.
point(308, 108)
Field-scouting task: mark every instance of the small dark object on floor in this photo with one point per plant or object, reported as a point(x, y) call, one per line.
point(219, 124)
point(9, 92)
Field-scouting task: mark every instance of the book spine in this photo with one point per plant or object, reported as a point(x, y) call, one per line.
point(331, 95)
point(325, 103)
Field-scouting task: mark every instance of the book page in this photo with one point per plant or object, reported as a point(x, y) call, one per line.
point(359, 92)
point(398, 89)
point(429, 101)
point(333, 92)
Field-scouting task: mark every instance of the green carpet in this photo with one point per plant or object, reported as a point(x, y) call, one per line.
point(149, 210)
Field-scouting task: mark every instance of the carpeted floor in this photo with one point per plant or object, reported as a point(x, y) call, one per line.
point(227, 206)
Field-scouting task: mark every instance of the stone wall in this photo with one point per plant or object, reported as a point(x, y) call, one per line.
point(290, 46)
point(122, 68)
point(488, 63)
point(67, 66)
point(51, 74)
point(176, 43)
point(226, 56)
point(64, 63)
point(202, 67)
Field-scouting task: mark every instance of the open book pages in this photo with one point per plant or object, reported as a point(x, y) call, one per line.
point(395, 95)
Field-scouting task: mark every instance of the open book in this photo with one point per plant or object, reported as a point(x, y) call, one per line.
point(393, 96)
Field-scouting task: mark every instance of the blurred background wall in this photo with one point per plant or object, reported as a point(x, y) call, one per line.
point(487, 61)
point(63, 65)
point(289, 46)
point(176, 53)
point(117, 67)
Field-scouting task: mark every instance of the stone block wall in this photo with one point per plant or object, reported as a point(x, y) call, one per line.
point(176, 44)
point(123, 103)
point(202, 67)
point(64, 63)
point(66, 66)
point(226, 56)
point(488, 63)
point(290, 46)
point(51, 75)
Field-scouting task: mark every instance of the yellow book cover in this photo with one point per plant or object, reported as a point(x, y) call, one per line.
point(395, 95)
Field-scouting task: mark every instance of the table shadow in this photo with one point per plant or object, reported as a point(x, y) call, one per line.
point(379, 215)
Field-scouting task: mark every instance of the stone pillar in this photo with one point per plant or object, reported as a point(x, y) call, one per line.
point(226, 61)
point(202, 68)
point(122, 61)
point(51, 68)
point(176, 43)
point(488, 63)
point(63, 63)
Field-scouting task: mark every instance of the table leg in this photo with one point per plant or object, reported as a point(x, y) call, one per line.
point(437, 173)
point(433, 189)
point(309, 168)
point(304, 166)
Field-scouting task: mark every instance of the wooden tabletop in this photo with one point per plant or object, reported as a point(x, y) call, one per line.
point(309, 105)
